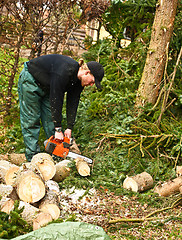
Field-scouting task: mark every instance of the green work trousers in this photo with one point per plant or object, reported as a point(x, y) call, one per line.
point(34, 109)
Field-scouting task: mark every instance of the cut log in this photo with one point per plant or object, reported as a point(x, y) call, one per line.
point(179, 171)
point(29, 186)
point(53, 186)
point(17, 158)
point(62, 170)
point(6, 204)
point(82, 167)
point(138, 183)
point(180, 189)
point(168, 188)
point(8, 172)
point(30, 214)
point(50, 204)
point(41, 220)
point(8, 191)
point(45, 164)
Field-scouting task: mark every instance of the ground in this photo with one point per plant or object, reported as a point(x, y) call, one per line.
point(100, 207)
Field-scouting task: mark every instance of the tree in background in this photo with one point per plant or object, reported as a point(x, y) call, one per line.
point(157, 53)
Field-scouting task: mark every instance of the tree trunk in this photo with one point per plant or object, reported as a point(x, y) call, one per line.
point(156, 57)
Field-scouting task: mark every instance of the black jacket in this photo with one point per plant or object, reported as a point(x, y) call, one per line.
point(58, 74)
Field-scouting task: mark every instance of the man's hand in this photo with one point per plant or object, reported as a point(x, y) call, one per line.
point(67, 133)
point(59, 135)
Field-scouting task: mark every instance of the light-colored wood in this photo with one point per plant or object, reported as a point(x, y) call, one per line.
point(30, 214)
point(62, 170)
point(179, 171)
point(50, 204)
point(41, 220)
point(6, 205)
point(8, 191)
point(29, 186)
point(180, 189)
point(82, 167)
point(168, 188)
point(139, 183)
point(53, 186)
point(8, 172)
point(45, 164)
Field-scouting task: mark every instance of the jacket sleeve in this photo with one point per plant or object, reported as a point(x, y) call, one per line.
point(72, 101)
point(57, 90)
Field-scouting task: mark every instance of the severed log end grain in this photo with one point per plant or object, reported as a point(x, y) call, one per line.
point(168, 188)
point(7, 172)
point(6, 205)
point(11, 175)
point(52, 209)
point(41, 220)
point(179, 171)
point(50, 204)
point(62, 170)
point(29, 186)
point(45, 164)
point(30, 214)
point(82, 167)
point(138, 183)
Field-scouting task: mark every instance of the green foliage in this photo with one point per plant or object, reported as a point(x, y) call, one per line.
point(12, 225)
point(131, 16)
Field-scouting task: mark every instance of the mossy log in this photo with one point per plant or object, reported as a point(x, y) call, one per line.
point(8, 172)
point(45, 164)
point(139, 183)
point(169, 188)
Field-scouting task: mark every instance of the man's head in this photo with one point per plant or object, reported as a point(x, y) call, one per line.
point(97, 71)
point(91, 73)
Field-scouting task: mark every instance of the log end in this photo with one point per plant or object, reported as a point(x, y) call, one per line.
point(41, 220)
point(130, 184)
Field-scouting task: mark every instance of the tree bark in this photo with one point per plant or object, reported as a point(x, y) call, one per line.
point(156, 57)
point(168, 188)
point(139, 183)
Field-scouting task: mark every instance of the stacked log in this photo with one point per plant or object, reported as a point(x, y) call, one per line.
point(35, 185)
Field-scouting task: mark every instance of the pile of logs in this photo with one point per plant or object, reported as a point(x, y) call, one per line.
point(144, 181)
point(35, 185)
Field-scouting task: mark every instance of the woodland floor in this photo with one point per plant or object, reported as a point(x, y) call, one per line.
point(99, 207)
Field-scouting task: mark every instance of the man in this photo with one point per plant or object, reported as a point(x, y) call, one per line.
point(42, 85)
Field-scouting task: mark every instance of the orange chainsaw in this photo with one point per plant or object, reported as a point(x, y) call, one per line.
point(61, 148)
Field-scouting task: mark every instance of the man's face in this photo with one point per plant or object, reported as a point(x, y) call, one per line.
point(87, 79)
